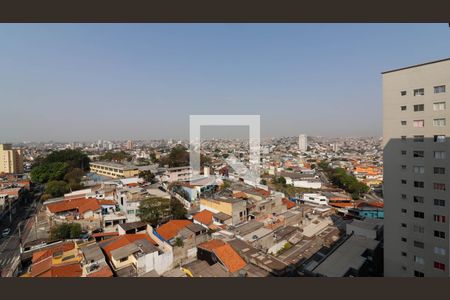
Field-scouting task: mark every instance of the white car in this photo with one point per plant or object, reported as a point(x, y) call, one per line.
point(6, 232)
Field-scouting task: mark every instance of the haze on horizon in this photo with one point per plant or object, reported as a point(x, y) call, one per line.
point(66, 82)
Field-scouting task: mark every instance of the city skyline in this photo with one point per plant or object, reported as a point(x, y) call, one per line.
point(119, 82)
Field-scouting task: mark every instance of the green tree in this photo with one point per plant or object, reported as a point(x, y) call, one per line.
point(49, 171)
point(147, 175)
point(154, 210)
point(177, 209)
point(57, 188)
point(179, 242)
point(116, 156)
point(75, 158)
point(65, 231)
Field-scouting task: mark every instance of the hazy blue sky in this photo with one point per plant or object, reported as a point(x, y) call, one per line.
point(142, 81)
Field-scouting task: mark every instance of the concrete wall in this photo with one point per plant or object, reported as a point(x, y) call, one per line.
point(426, 77)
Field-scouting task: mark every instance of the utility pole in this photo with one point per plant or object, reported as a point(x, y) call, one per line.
point(10, 211)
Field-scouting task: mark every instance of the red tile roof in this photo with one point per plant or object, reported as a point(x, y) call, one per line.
point(205, 217)
point(72, 270)
point(103, 272)
point(124, 240)
point(172, 228)
point(211, 245)
point(43, 254)
point(42, 266)
point(81, 205)
point(229, 258)
point(102, 234)
point(289, 204)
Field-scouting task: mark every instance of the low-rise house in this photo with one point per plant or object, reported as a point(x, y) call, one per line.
point(177, 174)
point(200, 268)
point(76, 208)
point(132, 227)
point(316, 199)
point(60, 260)
point(204, 218)
point(353, 258)
point(258, 258)
point(219, 251)
point(94, 263)
point(133, 254)
point(183, 236)
point(235, 208)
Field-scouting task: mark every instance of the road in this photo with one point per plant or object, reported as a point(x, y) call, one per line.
point(10, 245)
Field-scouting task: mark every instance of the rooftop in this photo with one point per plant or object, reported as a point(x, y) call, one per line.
point(347, 256)
point(415, 66)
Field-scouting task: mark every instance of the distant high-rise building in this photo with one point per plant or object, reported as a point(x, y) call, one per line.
point(129, 145)
point(11, 160)
point(416, 188)
point(335, 147)
point(302, 143)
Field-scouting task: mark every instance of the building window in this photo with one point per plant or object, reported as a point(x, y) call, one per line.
point(403, 181)
point(403, 137)
point(439, 234)
point(418, 199)
point(439, 202)
point(403, 107)
point(418, 153)
point(403, 167)
point(404, 225)
point(418, 169)
point(419, 214)
point(439, 122)
point(440, 154)
point(419, 92)
point(403, 239)
point(404, 254)
point(403, 123)
point(418, 123)
point(438, 106)
point(439, 218)
point(419, 260)
point(439, 251)
point(403, 210)
point(439, 138)
point(418, 244)
point(418, 274)
point(439, 266)
point(439, 89)
point(418, 138)
point(403, 93)
point(419, 184)
point(439, 186)
point(403, 152)
point(418, 228)
point(439, 170)
point(403, 196)
point(419, 107)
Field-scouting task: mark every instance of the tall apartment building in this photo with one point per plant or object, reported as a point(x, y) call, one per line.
point(416, 140)
point(302, 143)
point(11, 160)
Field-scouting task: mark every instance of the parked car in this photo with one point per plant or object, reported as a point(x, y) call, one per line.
point(6, 232)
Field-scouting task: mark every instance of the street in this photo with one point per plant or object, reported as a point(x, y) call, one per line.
point(10, 245)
